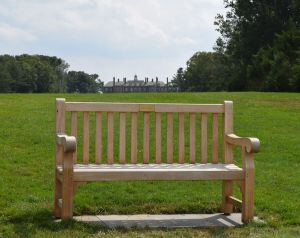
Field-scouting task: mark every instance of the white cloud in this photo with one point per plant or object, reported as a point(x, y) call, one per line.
point(126, 32)
point(10, 33)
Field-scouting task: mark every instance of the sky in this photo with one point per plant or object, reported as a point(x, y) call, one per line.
point(121, 38)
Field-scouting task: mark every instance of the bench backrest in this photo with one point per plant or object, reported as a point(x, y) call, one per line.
point(146, 132)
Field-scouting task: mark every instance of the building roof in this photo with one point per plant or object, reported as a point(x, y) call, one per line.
point(134, 83)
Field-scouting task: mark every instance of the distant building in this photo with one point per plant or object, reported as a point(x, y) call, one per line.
point(136, 85)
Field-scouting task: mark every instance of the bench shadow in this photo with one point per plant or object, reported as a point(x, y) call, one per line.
point(27, 224)
point(163, 221)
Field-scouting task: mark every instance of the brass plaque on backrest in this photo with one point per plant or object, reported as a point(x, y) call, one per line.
point(147, 108)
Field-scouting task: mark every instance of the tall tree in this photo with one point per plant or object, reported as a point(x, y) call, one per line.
point(40, 73)
point(179, 80)
point(275, 68)
point(205, 71)
point(248, 26)
point(81, 82)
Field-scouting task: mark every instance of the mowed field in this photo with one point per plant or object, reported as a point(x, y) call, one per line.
point(27, 170)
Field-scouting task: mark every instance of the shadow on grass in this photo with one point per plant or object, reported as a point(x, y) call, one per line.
point(27, 224)
point(170, 221)
point(39, 221)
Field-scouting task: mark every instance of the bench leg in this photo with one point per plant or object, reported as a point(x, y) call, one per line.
point(227, 190)
point(248, 193)
point(67, 187)
point(67, 202)
point(248, 200)
point(57, 196)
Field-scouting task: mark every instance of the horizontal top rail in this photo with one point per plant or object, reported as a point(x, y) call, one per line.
point(142, 107)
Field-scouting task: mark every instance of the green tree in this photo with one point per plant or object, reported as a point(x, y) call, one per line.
point(179, 80)
point(81, 82)
point(5, 80)
point(205, 71)
point(276, 67)
point(248, 26)
point(40, 73)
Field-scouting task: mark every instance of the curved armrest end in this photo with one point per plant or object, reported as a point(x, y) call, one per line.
point(252, 145)
point(67, 142)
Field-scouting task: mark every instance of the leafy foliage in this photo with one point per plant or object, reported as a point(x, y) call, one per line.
point(276, 68)
point(40, 74)
point(250, 32)
point(82, 82)
point(206, 71)
point(258, 50)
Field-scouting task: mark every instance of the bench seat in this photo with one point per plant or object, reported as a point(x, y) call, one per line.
point(117, 172)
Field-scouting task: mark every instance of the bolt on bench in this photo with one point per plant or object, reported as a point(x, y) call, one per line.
point(161, 165)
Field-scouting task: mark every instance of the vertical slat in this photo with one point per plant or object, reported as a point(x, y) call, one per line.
point(110, 137)
point(181, 138)
point(146, 136)
point(74, 132)
point(203, 138)
point(169, 137)
point(98, 138)
point(158, 138)
point(133, 138)
point(122, 137)
point(86, 135)
point(215, 138)
point(192, 138)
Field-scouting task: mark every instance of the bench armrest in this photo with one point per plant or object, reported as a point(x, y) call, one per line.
point(67, 142)
point(251, 144)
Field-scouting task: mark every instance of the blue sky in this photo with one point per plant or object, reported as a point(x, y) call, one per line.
point(111, 37)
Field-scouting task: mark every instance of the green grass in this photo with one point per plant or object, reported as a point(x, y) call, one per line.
point(27, 166)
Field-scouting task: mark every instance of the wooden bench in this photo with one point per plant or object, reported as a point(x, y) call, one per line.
point(140, 158)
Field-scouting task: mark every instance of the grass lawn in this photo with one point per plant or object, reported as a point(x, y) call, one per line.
point(27, 170)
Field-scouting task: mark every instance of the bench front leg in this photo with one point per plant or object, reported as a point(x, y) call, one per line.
point(57, 196)
point(67, 186)
point(249, 147)
point(68, 144)
point(248, 193)
point(57, 183)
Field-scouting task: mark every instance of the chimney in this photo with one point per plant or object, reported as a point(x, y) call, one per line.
point(124, 80)
point(152, 80)
point(114, 81)
point(156, 79)
point(118, 80)
point(167, 84)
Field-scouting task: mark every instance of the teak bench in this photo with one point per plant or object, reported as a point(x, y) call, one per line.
point(158, 165)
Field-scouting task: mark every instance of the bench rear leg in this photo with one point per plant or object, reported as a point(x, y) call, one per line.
point(227, 191)
point(57, 196)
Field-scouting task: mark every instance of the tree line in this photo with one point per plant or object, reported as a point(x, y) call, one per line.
point(258, 50)
point(43, 74)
